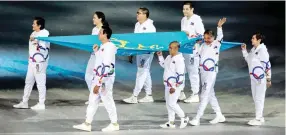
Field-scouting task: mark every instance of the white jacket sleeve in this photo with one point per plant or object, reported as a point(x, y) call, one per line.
point(107, 65)
point(161, 61)
point(219, 34)
point(180, 70)
point(264, 59)
point(151, 29)
point(245, 55)
point(199, 27)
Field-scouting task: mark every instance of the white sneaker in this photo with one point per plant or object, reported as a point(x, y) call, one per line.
point(83, 126)
point(184, 122)
point(168, 125)
point(195, 122)
point(146, 99)
point(193, 99)
point(218, 119)
point(256, 122)
point(131, 100)
point(182, 96)
point(111, 127)
point(86, 103)
point(38, 106)
point(21, 105)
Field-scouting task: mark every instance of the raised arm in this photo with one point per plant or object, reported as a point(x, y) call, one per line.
point(219, 29)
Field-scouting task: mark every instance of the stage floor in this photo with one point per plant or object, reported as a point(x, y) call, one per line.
point(65, 108)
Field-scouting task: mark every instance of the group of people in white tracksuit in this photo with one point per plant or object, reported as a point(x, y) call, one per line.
point(201, 66)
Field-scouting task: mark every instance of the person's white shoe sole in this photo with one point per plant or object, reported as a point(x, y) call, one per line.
point(192, 101)
point(150, 101)
point(194, 123)
point(20, 107)
point(103, 130)
point(163, 126)
point(220, 121)
point(33, 108)
point(256, 124)
point(75, 127)
point(129, 102)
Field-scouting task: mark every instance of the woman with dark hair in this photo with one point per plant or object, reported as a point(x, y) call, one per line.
point(260, 74)
point(98, 21)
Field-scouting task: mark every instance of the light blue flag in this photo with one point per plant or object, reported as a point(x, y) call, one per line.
point(15, 63)
point(133, 43)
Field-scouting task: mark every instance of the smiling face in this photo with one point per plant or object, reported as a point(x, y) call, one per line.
point(208, 38)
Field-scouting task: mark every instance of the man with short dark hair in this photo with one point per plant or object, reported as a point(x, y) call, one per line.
point(38, 62)
point(193, 26)
point(143, 76)
point(102, 83)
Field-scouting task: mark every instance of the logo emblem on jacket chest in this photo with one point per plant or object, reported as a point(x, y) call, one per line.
point(192, 23)
point(144, 28)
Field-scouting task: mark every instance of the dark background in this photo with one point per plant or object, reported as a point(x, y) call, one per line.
point(75, 18)
point(71, 18)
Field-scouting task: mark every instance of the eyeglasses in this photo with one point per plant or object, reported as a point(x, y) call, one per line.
point(139, 12)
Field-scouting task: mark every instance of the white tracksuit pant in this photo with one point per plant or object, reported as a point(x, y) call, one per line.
point(89, 71)
point(258, 94)
point(208, 79)
point(105, 94)
point(143, 79)
point(192, 68)
point(36, 73)
point(172, 105)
